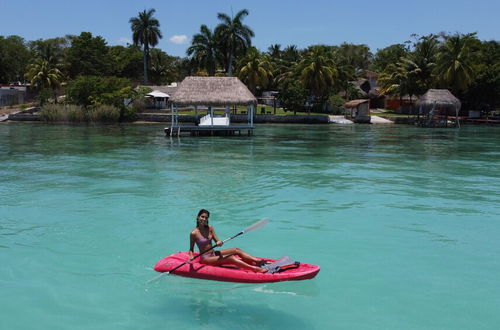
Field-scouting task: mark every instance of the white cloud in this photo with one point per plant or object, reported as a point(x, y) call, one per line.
point(124, 41)
point(179, 39)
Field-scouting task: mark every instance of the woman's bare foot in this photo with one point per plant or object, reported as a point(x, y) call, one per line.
point(260, 270)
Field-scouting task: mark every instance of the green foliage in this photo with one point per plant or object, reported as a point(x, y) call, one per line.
point(255, 70)
point(43, 74)
point(484, 92)
point(91, 91)
point(14, 57)
point(162, 67)
point(336, 103)
point(44, 95)
point(145, 32)
point(292, 95)
point(64, 113)
point(88, 56)
point(204, 50)
point(318, 71)
point(455, 62)
point(233, 37)
point(127, 62)
point(54, 113)
point(388, 55)
point(355, 58)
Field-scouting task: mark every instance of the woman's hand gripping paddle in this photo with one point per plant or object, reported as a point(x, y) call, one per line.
point(259, 224)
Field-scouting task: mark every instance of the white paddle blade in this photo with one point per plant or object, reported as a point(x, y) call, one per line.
point(259, 224)
point(157, 278)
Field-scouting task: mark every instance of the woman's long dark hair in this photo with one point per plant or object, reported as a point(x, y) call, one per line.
point(200, 213)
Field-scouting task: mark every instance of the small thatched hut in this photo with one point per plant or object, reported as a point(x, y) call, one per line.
point(358, 111)
point(436, 105)
point(439, 99)
point(211, 92)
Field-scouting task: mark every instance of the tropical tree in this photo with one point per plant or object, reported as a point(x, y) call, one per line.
point(388, 55)
point(127, 62)
point(14, 57)
point(400, 78)
point(355, 57)
point(44, 75)
point(318, 72)
point(292, 95)
point(274, 51)
point(161, 67)
point(455, 62)
point(424, 57)
point(146, 32)
point(88, 55)
point(484, 92)
point(234, 37)
point(255, 70)
point(203, 50)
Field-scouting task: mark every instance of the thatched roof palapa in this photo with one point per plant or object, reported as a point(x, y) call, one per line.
point(441, 98)
point(213, 91)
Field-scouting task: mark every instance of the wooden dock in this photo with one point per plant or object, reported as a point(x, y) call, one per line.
point(195, 130)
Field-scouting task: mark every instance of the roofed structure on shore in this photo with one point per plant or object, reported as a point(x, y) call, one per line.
point(159, 95)
point(213, 91)
point(439, 98)
point(167, 89)
point(436, 105)
point(358, 110)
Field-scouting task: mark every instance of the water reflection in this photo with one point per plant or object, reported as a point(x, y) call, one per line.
point(433, 236)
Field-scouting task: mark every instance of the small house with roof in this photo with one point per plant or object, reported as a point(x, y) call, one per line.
point(358, 111)
point(211, 92)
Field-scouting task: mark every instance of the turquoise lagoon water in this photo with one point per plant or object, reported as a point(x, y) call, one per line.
point(404, 221)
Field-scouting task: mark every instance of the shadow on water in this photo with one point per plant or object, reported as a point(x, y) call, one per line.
point(219, 310)
point(220, 305)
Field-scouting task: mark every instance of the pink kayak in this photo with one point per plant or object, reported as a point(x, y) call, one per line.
point(231, 273)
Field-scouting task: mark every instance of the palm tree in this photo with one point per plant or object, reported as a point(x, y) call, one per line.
point(424, 57)
point(234, 37)
point(274, 51)
point(455, 60)
point(255, 71)
point(160, 67)
point(146, 32)
point(43, 74)
point(317, 72)
point(203, 50)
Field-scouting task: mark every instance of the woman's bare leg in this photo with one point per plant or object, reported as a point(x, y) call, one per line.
point(242, 254)
point(232, 260)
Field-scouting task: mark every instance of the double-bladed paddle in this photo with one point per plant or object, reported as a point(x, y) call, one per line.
point(259, 224)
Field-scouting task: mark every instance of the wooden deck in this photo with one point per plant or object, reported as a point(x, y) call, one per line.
point(194, 130)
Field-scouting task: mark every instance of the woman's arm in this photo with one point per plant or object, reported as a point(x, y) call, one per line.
point(192, 238)
point(215, 238)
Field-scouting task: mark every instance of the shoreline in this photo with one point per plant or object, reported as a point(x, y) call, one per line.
point(258, 119)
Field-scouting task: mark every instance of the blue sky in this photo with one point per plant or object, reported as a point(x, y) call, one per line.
point(303, 23)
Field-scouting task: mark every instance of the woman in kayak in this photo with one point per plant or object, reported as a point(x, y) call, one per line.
point(203, 235)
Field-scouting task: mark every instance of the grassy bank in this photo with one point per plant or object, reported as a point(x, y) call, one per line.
point(67, 113)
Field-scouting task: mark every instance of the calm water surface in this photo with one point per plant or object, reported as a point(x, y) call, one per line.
point(405, 223)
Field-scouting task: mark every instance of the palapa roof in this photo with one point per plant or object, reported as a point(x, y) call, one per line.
point(213, 91)
point(442, 98)
point(355, 103)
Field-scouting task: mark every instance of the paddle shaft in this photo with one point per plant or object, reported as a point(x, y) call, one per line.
point(203, 252)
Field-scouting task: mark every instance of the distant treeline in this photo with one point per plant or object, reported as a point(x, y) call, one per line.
point(318, 74)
